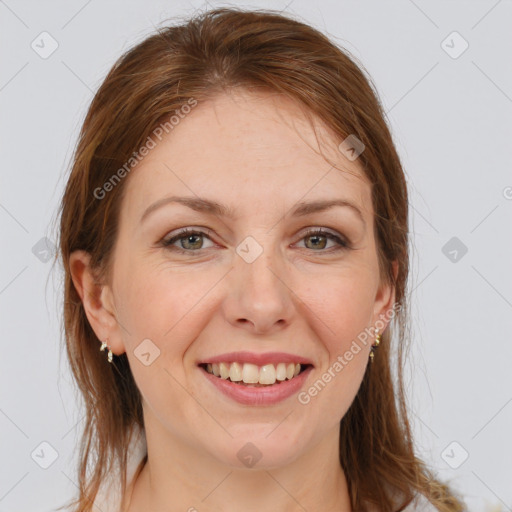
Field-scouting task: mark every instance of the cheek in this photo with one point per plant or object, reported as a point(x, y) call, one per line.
point(341, 313)
point(163, 304)
point(344, 304)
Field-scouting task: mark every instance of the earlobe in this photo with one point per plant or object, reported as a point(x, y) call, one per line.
point(95, 298)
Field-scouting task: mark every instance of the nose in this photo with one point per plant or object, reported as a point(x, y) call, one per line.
point(258, 297)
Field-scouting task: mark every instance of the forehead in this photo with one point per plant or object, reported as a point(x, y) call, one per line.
point(249, 150)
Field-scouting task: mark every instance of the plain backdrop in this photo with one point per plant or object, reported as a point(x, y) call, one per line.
point(443, 72)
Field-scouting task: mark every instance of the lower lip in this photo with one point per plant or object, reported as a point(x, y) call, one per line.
point(267, 395)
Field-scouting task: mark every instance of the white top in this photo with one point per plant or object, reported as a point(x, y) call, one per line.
point(108, 498)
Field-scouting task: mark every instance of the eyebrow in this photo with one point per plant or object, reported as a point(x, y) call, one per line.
point(216, 209)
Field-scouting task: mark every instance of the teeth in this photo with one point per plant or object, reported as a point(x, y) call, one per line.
point(248, 373)
point(281, 371)
point(224, 370)
point(235, 372)
point(268, 374)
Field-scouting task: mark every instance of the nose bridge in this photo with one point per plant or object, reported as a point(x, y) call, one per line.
point(260, 295)
point(258, 261)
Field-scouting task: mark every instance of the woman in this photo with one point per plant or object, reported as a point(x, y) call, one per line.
point(235, 243)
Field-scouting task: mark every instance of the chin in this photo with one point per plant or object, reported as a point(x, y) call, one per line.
point(258, 450)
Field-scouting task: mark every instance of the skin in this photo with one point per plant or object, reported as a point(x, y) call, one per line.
point(256, 153)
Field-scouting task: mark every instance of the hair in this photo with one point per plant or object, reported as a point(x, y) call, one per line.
point(209, 54)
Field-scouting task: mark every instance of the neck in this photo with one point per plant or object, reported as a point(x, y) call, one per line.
point(180, 477)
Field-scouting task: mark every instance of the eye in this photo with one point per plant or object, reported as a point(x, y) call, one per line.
point(191, 240)
point(320, 237)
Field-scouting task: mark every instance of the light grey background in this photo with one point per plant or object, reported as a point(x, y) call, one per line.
point(452, 123)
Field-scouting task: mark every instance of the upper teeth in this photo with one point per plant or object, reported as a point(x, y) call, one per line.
point(253, 374)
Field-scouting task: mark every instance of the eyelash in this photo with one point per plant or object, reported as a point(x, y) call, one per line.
point(343, 245)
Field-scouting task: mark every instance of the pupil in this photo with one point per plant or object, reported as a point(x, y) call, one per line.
point(191, 237)
point(317, 237)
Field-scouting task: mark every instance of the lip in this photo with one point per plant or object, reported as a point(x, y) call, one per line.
point(259, 395)
point(257, 359)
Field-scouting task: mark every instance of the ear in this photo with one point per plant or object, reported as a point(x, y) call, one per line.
point(385, 301)
point(97, 300)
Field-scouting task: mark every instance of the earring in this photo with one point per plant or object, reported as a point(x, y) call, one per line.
point(103, 346)
point(375, 345)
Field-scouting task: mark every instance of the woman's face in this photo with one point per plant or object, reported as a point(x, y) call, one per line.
point(250, 280)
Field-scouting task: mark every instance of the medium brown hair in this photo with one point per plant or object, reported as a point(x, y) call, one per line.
point(210, 53)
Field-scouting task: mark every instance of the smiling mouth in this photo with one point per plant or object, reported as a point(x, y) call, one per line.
point(251, 375)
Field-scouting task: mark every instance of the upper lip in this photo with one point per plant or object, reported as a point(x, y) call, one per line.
point(257, 359)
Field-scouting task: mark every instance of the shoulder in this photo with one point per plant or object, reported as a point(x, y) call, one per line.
point(420, 504)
